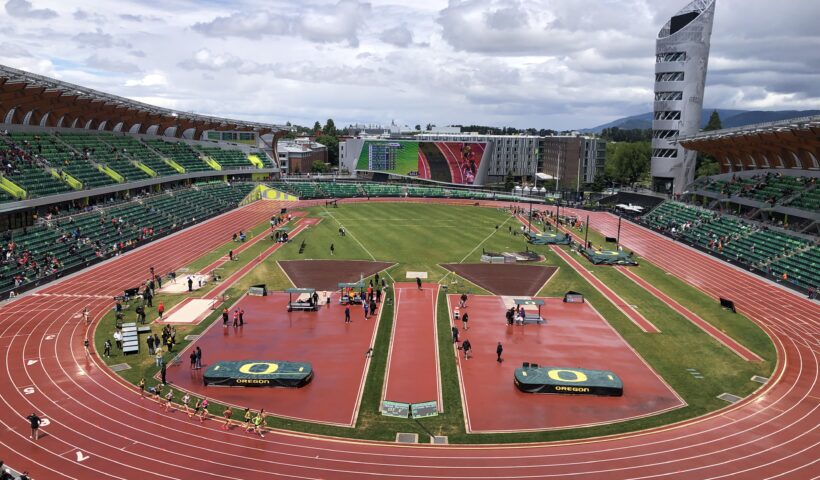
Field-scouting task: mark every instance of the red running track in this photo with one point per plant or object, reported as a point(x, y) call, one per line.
point(412, 365)
point(772, 434)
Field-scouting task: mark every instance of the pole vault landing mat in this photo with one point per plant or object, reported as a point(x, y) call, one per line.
point(572, 381)
point(327, 274)
point(504, 279)
point(258, 373)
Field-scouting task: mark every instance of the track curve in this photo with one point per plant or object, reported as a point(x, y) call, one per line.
point(99, 428)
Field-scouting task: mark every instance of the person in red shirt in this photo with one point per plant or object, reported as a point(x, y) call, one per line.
point(161, 309)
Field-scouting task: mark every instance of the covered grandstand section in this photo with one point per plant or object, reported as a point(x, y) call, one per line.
point(792, 144)
point(36, 100)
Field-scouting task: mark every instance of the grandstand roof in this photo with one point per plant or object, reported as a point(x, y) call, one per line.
point(792, 143)
point(31, 99)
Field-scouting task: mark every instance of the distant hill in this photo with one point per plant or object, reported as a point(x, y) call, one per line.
point(729, 118)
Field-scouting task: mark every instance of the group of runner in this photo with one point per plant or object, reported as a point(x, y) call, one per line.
point(254, 423)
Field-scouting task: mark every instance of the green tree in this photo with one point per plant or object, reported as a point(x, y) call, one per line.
point(332, 144)
point(418, 128)
point(319, 166)
point(706, 164)
point(509, 182)
point(330, 128)
point(627, 163)
point(713, 123)
point(317, 127)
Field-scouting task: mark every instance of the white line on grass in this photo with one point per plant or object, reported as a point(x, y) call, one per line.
point(476, 248)
point(350, 234)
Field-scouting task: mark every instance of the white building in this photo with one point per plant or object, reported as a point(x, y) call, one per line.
point(682, 55)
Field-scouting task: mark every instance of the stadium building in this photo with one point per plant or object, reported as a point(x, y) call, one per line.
point(573, 160)
point(681, 59)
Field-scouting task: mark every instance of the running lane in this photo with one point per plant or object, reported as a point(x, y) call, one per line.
point(771, 434)
point(412, 364)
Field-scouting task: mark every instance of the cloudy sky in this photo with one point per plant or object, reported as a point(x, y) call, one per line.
point(533, 63)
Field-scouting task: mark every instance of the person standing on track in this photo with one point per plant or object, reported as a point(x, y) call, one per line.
point(35, 422)
point(455, 334)
point(198, 358)
point(193, 359)
point(347, 314)
point(463, 302)
point(464, 319)
point(86, 345)
point(498, 350)
point(418, 282)
point(225, 317)
point(241, 317)
point(466, 347)
point(141, 386)
point(86, 315)
point(366, 308)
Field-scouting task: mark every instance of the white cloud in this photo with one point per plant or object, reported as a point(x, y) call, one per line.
point(109, 64)
point(338, 23)
point(525, 63)
point(399, 36)
point(149, 80)
point(245, 24)
point(12, 50)
point(24, 9)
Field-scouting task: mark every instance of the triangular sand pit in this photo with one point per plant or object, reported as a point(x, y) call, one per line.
point(504, 279)
point(327, 274)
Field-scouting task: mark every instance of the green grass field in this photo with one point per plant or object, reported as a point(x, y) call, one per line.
point(417, 237)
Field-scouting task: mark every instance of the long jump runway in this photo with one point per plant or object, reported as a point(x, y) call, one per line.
point(100, 428)
point(412, 364)
point(574, 336)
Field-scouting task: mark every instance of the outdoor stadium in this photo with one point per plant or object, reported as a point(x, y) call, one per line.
point(175, 303)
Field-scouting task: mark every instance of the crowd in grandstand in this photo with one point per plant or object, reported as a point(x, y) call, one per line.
point(788, 258)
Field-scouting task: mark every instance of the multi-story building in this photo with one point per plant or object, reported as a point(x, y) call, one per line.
point(518, 155)
point(682, 55)
point(572, 160)
point(297, 156)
